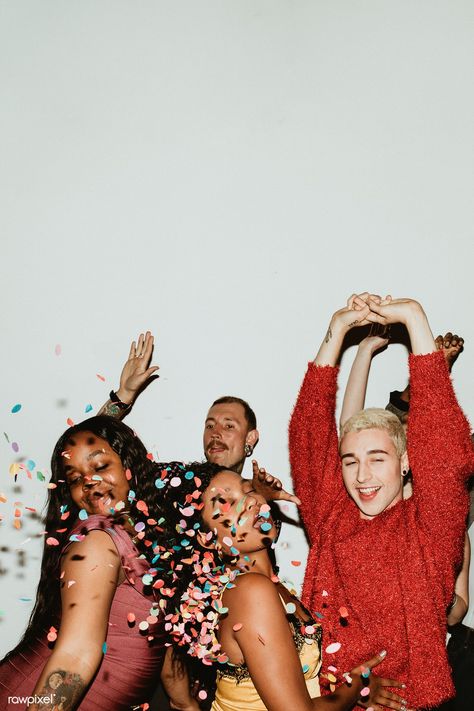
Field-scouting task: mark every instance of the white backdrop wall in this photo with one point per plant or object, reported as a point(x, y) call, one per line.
point(224, 174)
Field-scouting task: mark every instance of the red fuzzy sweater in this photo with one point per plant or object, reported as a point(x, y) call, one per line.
point(395, 573)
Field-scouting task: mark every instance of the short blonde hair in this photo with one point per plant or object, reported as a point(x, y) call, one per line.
point(374, 418)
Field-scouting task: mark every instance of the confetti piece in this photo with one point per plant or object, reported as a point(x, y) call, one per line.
point(24, 599)
point(15, 446)
point(17, 513)
point(290, 608)
point(237, 627)
point(175, 481)
point(296, 563)
point(333, 648)
point(83, 515)
point(159, 484)
point(140, 526)
point(101, 377)
point(305, 668)
point(265, 527)
point(332, 678)
point(69, 422)
point(343, 611)
point(52, 485)
point(143, 626)
point(365, 691)
point(202, 694)
point(52, 635)
point(3, 499)
point(57, 349)
point(128, 474)
point(71, 582)
point(16, 408)
point(158, 584)
point(6, 437)
point(52, 541)
point(227, 541)
point(147, 579)
point(104, 648)
point(130, 618)
point(88, 407)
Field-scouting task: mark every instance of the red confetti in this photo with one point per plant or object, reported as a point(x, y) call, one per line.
point(69, 422)
point(296, 563)
point(101, 377)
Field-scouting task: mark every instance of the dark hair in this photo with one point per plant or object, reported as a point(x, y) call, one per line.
point(62, 512)
point(199, 574)
point(249, 413)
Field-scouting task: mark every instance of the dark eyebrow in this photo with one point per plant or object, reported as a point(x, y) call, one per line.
point(349, 454)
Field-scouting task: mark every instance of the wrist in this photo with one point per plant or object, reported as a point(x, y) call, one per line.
point(125, 396)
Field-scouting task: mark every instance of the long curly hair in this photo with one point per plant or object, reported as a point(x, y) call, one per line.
point(199, 574)
point(62, 512)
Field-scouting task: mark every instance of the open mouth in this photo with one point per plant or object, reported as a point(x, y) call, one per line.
point(367, 493)
point(99, 501)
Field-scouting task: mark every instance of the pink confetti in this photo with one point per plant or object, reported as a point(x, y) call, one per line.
point(202, 694)
point(237, 627)
point(57, 349)
point(69, 422)
point(333, 648)
point(52, 541)
point(365, 691)
point(71, 582)
point(101, 377)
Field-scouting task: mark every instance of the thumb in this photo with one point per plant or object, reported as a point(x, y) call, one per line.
point(376, 660)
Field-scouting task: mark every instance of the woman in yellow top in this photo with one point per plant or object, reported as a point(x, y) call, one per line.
point(235, 614)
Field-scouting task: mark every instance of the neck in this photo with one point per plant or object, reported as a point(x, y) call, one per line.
point(255, 562)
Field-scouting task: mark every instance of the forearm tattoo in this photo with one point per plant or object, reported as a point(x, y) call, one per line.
point(63, 690)
point(328, 335)
point(112, 410)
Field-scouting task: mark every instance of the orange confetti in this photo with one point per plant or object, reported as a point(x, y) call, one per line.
point(344, 612)
point(3, 499)
point(130, 618)
point(69, 422)
point(296, 563)
point(237, 627)
point(17, 513)
point(17, 523)
point(149, 456)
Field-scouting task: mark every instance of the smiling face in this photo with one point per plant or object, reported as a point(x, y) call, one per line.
point(95, 474)
point(226, 432)
point(372, 470)
point(240, 516)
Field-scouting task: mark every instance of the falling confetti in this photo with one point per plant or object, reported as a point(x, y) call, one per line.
point(16, 408)
point(101, 377)
point(333, 648)
point(88, 408)
point(57, 349)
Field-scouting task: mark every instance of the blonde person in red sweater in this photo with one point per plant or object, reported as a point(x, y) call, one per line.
point(381, 566)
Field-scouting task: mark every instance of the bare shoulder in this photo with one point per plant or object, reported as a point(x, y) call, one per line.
point(252, 589)
point(95, 546)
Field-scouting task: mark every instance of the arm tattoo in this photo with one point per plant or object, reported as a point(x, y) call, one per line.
point(63, 690)
point(112, 410)
point(354, 323)
point(328, 335)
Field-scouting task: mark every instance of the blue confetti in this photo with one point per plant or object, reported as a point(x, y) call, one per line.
point(160, 484)
point(83, 514)
point(189, 475)
point(104, 648)
point(265, 527)
point(16, 408)
point(30, 465)
point(88, 408)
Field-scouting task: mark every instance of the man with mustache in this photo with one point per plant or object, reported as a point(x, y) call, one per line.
point(230, 429)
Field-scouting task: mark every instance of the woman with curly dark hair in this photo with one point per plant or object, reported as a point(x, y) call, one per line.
point(95, 638)
point(234, 613)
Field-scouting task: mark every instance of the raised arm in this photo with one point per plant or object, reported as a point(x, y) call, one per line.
point(268, 649)
point(136, 373)
point(356, 388)
point(313, 441)
point(91, 569)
